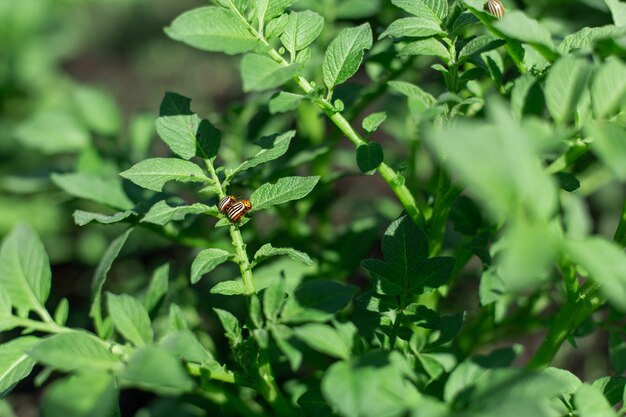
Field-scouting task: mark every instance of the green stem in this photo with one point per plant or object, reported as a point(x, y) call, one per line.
point(236, 238)
point(243, 261)
point(578, 149)
point(268, 387)
point(574, 312)
point(393, 179)
point(571, 315)
point(47, 327)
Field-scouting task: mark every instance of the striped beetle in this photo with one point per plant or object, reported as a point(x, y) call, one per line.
point(495, 7)
point(238, 210)
point(225, 203)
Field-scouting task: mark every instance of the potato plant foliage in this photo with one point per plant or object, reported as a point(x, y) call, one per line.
point(437, 223)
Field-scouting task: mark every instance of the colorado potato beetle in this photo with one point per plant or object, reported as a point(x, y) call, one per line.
point(495, 7)
point(238, 210)
point(225, 203)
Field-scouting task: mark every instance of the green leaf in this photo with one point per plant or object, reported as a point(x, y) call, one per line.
point(260, 73)
point(283, 337)
point(273, 147)
point(608, 88)
point(212, 29)
point(140, 133)
point(107, 191)
point(606, 263)
point(474, 370)
point(6, 307)
point(276, 27)
point(155, 172)
point(565, 84)
point(15, 363)
point(612, 388)
point(183, 131)
point(586, 38)
point(53, 132)
point(62, 312)
point(256, 319)
point(230, 287)
point(231, 326)
point(430, 407)
point(411, 90)
point(98, 110)
point(462, 21)
point(273, 299)
point(568, 381)
point(206, 261)
point(176, 319)
point(302, 29)
point(184, 345)
point(406, 267)
point(81, 218)
point(75, 351)
point(99, 277)
point(345, 54)
point(373, 385)
point(266, 251)
point(317, 300)
point(498, 145)
point(426, 47)
point(284, 102)
point(524, 89)
point(161, 213)
point(517, 25)
point(323, 338)
point(25, 271)
point(609, 144)
point(153, 368)
point(590, 402)
point(157, 290)
point(90, 394)
point(528, 249)
point(618, 10)
point(413, 27)
point(478, 45)
point(491, 390)
point(268, 9)
point(372, 122)
point(430, 9)
point(369, 156)
point(284, 190)
point(130, 318)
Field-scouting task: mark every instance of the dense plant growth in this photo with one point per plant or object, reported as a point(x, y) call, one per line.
point(487, 156)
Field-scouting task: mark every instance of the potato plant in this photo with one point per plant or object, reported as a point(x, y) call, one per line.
point(482, 249)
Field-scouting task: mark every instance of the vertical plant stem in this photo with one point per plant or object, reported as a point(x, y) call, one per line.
point(244, 263)
point(267, 387)
point(574, 311)
point(571, 315)
point(236, 238)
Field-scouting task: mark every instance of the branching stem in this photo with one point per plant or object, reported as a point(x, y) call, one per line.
point(395, 180)
point(267, 387)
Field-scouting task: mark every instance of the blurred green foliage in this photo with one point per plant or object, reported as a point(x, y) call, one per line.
point(509, 135)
